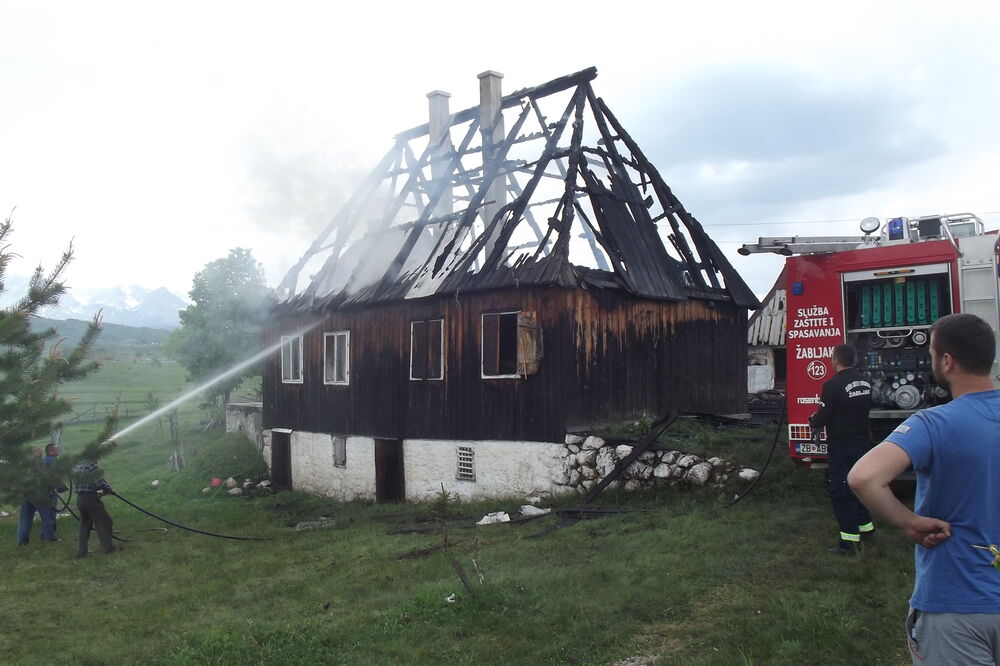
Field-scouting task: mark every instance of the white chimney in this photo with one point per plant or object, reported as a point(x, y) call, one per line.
point(439, 124)
point(492, 129)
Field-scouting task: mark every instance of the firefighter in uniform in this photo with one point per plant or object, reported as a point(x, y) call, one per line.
point(843, 409)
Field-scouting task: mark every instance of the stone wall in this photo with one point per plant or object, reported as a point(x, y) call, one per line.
point(587, 460)
point(245, 417)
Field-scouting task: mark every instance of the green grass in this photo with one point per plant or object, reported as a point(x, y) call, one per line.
point(125, 380)
point(685, 578)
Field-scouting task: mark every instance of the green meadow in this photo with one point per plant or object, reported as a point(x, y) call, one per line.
point(675, 578)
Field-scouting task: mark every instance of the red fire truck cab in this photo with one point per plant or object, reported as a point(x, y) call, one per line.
point(880, 292)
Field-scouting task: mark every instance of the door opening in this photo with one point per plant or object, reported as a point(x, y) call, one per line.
point(389, 479)
point(281, 459)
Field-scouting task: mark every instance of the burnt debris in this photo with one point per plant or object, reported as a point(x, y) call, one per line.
point(563, 198)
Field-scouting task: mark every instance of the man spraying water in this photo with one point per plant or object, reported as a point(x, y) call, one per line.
point(89, 483)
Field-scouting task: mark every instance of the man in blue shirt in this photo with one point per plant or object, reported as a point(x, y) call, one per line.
point(47, 512)
point(954, 449)
point(26, 512)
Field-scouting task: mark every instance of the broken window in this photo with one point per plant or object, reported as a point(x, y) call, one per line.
point(337, 363)
point(530, 349)
point(340, 452)
point(466, 464)
point(427, 349)
point(500, 344)
point(512, 344)
point(291, 359)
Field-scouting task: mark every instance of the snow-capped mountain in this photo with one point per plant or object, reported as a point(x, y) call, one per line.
point(129, 305)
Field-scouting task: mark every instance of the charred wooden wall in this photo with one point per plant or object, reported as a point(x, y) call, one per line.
point(607, 357)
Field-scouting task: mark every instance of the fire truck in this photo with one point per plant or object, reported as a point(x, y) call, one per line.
point(880, 292)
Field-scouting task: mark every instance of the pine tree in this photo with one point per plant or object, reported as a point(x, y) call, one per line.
point(33, 365)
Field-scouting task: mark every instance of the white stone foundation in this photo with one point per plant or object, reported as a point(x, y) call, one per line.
point(313, 470)
point(502, 469)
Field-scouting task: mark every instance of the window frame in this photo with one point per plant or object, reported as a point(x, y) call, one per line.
point(346, 334)
point(290, 342)
point(339, 452)
point(482, 344)
point(439, 378)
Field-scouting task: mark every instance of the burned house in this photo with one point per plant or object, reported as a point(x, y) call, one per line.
point(507, 273)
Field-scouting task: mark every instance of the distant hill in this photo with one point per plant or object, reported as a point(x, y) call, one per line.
point(114, 337)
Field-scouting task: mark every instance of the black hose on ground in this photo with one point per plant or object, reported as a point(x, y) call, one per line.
point(185, 527)
point(67, 507)
point(774, 445)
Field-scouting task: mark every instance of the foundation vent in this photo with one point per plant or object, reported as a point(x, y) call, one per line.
point(466, 464)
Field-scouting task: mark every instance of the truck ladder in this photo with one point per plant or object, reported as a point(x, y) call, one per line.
point(789, 245)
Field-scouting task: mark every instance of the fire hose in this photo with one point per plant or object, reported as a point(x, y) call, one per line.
point(185, 527)
point(774, 445)
point(161, 519)
point(67, 507)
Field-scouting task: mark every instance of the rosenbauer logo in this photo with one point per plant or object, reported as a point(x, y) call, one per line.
point(816, 369)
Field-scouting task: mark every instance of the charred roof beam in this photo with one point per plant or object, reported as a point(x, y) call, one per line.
point(588, 230)
point(666, 196)
point(416, 169)
point(469, 256)
point(600, 152)
point(439, 253)
point(528, 168)
point(593, 237)
point(608, 240)
point(400, 259)
point(649, 255)
point(569, 192)
point(739, 290)
point(518, 192)
point(519, 205)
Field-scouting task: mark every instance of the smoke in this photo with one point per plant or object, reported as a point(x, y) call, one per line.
point(299, 191)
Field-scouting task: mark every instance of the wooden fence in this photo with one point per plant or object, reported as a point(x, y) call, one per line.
point(99, 411)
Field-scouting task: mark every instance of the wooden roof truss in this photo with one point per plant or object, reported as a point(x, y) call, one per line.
point(584, 207)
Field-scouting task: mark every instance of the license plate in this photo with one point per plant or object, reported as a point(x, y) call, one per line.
point(810, 448)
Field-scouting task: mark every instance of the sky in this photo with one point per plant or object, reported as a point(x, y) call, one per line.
point(157, 136)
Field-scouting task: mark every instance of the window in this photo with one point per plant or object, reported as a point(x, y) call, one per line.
point(500, 344)
point(466, 464)
point(427, 349)
point(291, 359)
point(337, 358)
point(340, 452)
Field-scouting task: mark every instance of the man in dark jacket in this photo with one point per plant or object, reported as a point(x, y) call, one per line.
point(90, 485)
point(843, 409)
